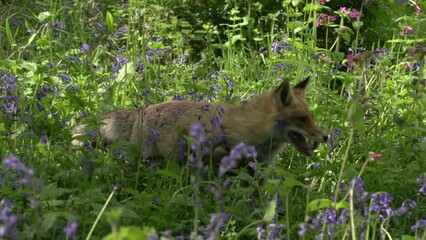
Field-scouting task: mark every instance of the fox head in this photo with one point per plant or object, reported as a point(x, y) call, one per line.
point(295, 119)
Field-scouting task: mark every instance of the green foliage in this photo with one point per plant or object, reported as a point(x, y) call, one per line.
point(63, 62)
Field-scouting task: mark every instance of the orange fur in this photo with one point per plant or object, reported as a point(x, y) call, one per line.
point(267, 121)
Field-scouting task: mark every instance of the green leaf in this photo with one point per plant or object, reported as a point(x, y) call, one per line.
point(43, 16)
point(270, 211)
point(9, 33)
point(170, 174)
point(296, 2)
point(30, 66)
point(131, 233)
point(408, 237)
point(356, 113)
point(49, 219)
point(198, 88)
point(51, 191)
point(128, 68)
point(290, 181)
point(319, 204)
point(342, 204)
point(295, 24)
point(109, 22)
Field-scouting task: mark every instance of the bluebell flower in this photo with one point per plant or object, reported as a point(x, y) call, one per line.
point(84, 48)
point(8, 220)
point(237, 153)
point(217, 221)
point(119, 63)
point(121, 31)
point(71, 230)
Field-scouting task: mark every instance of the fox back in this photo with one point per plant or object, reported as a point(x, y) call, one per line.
point(267, 122)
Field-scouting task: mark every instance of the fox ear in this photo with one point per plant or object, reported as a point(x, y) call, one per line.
point(284, 93)
point(302, 85)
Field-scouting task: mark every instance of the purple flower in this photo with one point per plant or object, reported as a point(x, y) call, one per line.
point(167, 234)
point(84, 48)
point(229, 162)
point(197, 132)
point(274, 231)
point(324, 19)
point(260, 232)
point(7, 219)
point(58, 25)
point(351, 59)
point(121, 31)
point(216, 223)
point(404, 209)
point(343, 10)
point(316, 165)
point(357, 185)
point(153, 236)
point(355, 14)
point(14, 163)
point(381, 205)
point(70, 230)
point(43, 139)
point(422, 179)
point(119, 63)
point(421, 223)
point(406, 29)
point(279, 46)
point(200, 147)
point(183, 58)
point(303, 228)
point(418, 11)
point(65, 78)
point(72, 58)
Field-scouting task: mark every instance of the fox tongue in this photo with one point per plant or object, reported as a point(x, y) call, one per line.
point(300, 143)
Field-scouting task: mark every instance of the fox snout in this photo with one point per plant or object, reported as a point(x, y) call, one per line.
point(300, 138)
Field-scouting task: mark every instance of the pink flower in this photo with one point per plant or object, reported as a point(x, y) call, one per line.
point(351, 59)
point(418, 11)
point(408, 65)
point(411, 52)
point(355, 14)
point(325, 19)
point(343, 10)
point(406, 29)
point(375, 156)
point(321, 2)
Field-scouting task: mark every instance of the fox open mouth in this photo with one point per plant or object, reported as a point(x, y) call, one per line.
point(299, 141)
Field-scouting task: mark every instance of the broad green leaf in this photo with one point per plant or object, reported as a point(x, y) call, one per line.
point(131, 233)
point(319, 204)
point(171, 174)
point(270, 211)
point(30, 66)
point(49, 219)
point(43, 16)
point(356, 113)
point(128, 68)
point(408, 237)
point(198, 88)
point(51, 191)
point(342, 204)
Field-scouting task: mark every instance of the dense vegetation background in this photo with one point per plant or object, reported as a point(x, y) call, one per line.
point(65, 60)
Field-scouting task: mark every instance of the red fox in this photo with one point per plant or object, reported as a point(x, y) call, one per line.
point(267, 122)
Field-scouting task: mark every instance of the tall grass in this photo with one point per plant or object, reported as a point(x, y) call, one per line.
point(62, 61)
